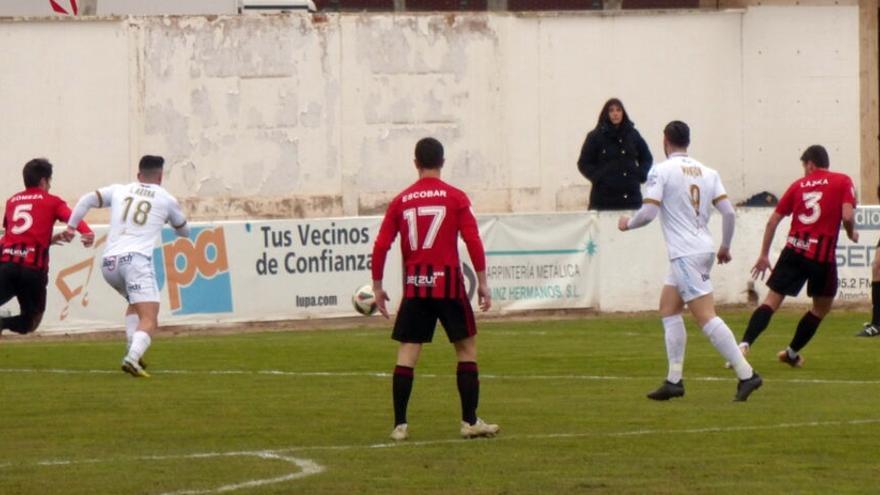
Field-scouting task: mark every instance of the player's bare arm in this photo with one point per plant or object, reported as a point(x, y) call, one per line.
point(483, 291)
point(381, 298)
point(849, 223)
point(763, 263)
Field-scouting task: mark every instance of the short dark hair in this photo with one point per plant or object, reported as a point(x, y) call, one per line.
point(678, 134)
point(34, 170)
point(816, 154)
point(429, 153)
point(150, 163)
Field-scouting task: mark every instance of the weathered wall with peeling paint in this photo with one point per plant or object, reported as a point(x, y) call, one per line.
point(298, 116)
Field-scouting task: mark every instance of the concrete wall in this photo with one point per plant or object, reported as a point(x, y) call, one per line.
point(297, 116)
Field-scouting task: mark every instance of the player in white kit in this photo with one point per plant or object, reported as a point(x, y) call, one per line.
point(138, 213)
point(683, 191)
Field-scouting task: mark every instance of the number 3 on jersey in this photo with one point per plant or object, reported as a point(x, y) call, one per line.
point(811, 203)
point(438, 213)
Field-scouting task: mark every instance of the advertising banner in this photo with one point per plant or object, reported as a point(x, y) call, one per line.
point(229, 272)
point(854, 259)
point(541, 261)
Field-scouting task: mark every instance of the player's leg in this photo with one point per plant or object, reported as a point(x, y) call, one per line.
point(822, 286)
point(148, 316)
point(31, 295)
point(719, 334)
point(693, 281)
point(7, 290)
point(468, 381)
point(457, 318)
point(806, 329)
point(114, 276)
point(872, 329)
point(675, 336)
point(132, 320)
point(139, 282)
point(401, 386)
point(787, 279)
point(467, 378)
point(413, 326)
point(721, 337)
point(760, 319)
point(131, 325)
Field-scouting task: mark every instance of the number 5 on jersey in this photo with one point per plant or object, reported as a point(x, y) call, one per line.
point(22, 213)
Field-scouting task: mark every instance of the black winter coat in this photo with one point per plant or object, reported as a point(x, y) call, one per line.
point(616, 160)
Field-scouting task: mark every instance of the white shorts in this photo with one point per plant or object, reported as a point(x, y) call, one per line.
point(132, 276)
point(690, 275)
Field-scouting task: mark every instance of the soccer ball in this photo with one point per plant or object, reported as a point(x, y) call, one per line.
point(364, 300)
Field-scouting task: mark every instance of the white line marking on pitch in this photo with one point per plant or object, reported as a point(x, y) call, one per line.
point(379, 374)
point(631, 433)
point(307, 467)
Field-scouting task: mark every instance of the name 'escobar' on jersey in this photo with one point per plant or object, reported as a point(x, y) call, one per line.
point(430, 193)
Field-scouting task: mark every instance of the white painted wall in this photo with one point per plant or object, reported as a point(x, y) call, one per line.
point(293, 116)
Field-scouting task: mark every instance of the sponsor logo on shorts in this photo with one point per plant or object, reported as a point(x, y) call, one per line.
point(196, 271)
point(109, 263)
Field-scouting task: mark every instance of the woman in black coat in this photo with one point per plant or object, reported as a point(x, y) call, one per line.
point(615, 159)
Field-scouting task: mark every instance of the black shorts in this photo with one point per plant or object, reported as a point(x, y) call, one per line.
point(417, 319)
point(792, 270)
point(25, 284)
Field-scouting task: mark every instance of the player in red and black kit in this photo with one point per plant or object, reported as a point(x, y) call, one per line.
point(24, 247)
point(818, 204)
point(430, 215)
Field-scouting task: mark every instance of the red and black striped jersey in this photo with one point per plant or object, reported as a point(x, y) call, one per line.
point(28, 222)
point(430, 215)
point(815, 204)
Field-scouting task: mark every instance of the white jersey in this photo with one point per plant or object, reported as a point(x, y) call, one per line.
point(137, 214)
point(686, 191)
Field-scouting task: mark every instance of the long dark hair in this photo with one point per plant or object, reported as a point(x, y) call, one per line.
point(603, 115)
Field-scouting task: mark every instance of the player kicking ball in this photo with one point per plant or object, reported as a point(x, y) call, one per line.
point(138, 212)
point(683, 190)
point(819, 203)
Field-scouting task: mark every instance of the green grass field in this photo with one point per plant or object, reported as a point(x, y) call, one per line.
point(310, 412)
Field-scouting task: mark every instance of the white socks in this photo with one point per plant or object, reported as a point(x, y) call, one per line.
point(676, 340)
point(140, 341)
point(723, 340)
point(131, 325)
